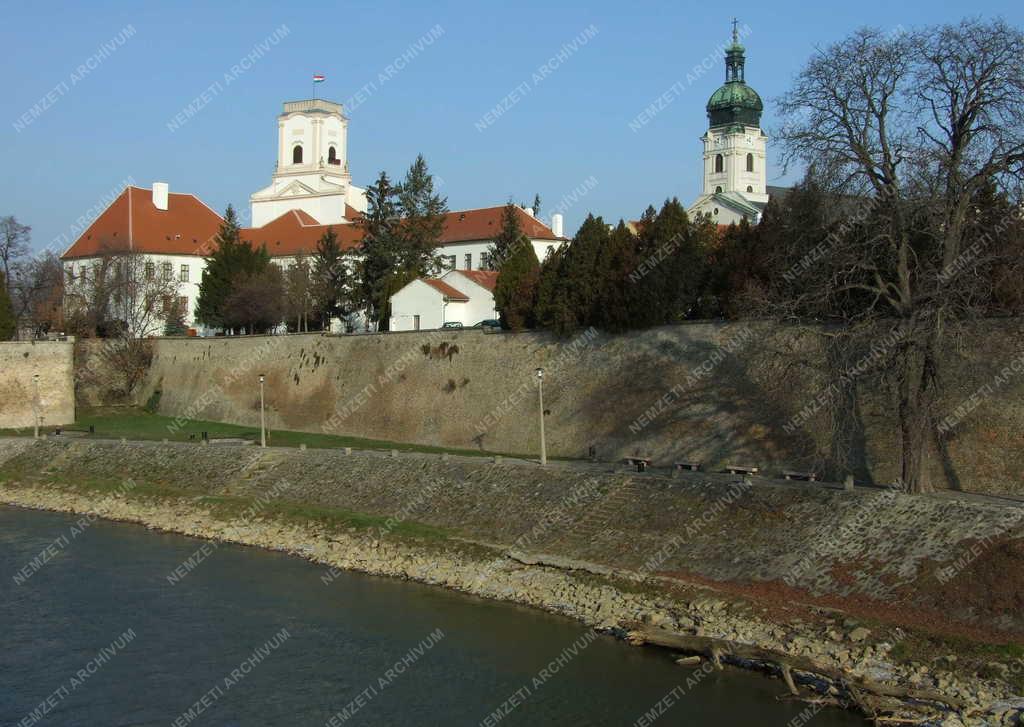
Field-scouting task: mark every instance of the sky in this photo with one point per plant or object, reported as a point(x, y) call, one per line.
point(503, 99)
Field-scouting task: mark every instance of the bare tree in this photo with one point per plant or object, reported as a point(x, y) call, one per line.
point(37, 293)
point(905, 132)
point(299, 292)
point(125, 297)
point(14, 244)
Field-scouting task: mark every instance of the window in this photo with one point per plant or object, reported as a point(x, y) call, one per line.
point(718, 190)
point(167, 271)
point(150, 270)
point(469, 261)
point(448, 262)
point(183, 306)
point(719, 163)
point(750, 162)
point(485, 261)
point(183, 274)
point(332, 156)
point(297, 155)
point(749, 188)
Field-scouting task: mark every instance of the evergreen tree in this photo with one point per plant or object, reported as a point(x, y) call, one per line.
point(553, 309)
point(510, 235)
point(8, 324)
point(422, 211)
point(671, 254)
point(230, 261)
point(175, 324)
point(618, 260)
point(380, 256)
point(330, 279)
point(515, 292)
point(570, 290)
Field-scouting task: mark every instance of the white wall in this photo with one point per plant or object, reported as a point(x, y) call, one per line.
point(418, 298)
point(475, 249)
point(481, 301)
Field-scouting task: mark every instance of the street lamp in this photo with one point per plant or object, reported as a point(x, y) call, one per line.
point(263, 420)
point(540, 396)
point(35, 405)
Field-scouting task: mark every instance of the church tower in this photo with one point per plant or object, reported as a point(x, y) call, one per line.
point(312, 167)
point(735, 164)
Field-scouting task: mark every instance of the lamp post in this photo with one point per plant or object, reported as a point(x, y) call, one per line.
point(263, 421)
point(540, 396)
point(35, 406)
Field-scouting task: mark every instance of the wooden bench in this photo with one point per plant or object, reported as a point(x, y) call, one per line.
point(806, 476)
point(688, 466)
point(741, 469)
point(640, 463)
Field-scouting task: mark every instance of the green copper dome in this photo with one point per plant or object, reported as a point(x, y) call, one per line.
point(735, 103)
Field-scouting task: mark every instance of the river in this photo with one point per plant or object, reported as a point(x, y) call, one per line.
point(108, 627)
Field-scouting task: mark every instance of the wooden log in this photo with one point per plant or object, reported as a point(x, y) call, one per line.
point(708, 647)
point(787, 676)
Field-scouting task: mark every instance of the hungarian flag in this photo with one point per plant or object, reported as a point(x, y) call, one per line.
point(317, 78)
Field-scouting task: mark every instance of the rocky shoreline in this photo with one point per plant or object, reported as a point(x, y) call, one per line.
point(845, 655)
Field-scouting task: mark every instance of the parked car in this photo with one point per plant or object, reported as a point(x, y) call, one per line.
point(489, 323)
point(452, 324)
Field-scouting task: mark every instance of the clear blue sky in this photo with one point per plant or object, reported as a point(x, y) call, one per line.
point(573, 125)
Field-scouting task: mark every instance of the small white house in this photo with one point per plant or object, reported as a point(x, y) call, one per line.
point(458, 296)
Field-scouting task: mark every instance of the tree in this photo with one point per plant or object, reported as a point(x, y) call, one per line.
point(422, 211)
point(568, 297)
point(903, 133)
point(256, 301)
point(175, 323)
point(14, 244)
point(299, 291)
point(232, 260)
point(508, 239)
point(515, 291)
point(613, 310)
point(38, 293)
point(379, 259)
point(8, 323)
point(330, 279)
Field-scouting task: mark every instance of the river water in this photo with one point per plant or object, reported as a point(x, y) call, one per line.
point(102, 631)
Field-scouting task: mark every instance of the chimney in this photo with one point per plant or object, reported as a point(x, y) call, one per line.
point(528, 210)
point(160, 195)
point(556, 224)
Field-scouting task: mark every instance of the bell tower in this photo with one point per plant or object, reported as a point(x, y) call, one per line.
point(311, 173)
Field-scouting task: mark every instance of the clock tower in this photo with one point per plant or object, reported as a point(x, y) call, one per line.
point(735, 179)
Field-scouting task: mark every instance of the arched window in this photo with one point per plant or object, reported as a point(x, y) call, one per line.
point(719, 163)
point(750, 162)
point(297, 155)
point(749, 188)
point(718, 190)
point(332, 155)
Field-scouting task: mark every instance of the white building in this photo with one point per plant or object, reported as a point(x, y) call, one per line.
point(310, 192)
point(458, 296)
point(735, 148)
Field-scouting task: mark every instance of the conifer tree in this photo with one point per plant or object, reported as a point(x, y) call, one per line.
point(515, 291)
point(422, 211)
point(330, 279)
point(232, 260)
point(380, 250)
point(508, 238)
point(618, 260)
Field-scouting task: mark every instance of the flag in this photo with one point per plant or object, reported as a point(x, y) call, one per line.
point(317, 78)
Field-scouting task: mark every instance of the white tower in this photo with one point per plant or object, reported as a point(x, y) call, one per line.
point(312, 166)
point(735, 147)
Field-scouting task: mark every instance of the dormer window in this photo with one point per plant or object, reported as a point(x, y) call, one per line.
point(297, 155)
point(332, 156)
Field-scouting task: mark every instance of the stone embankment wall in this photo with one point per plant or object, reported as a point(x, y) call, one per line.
point(717, 393)
point(53, 361)
point(949, 559)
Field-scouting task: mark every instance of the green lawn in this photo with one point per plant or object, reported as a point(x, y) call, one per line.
point(132, 423)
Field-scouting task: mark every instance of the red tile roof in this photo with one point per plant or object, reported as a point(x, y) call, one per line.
point(484, 278)
point(133, 222)
point(485, 224)
point(296, 231)
point(445, 289)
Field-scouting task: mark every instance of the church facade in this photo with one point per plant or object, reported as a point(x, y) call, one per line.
point(735, 148)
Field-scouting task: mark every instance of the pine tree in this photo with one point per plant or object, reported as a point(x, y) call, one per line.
point(510, 235)
point(422, 211)
point(330, 279)
point(232, 260)
point(380, 257)
point(612, 311)
point(515, 292)
point(8, 324)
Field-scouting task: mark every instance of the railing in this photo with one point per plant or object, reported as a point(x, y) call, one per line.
point(312, 105)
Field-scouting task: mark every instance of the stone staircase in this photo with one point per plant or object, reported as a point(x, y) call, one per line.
point(599, 518)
